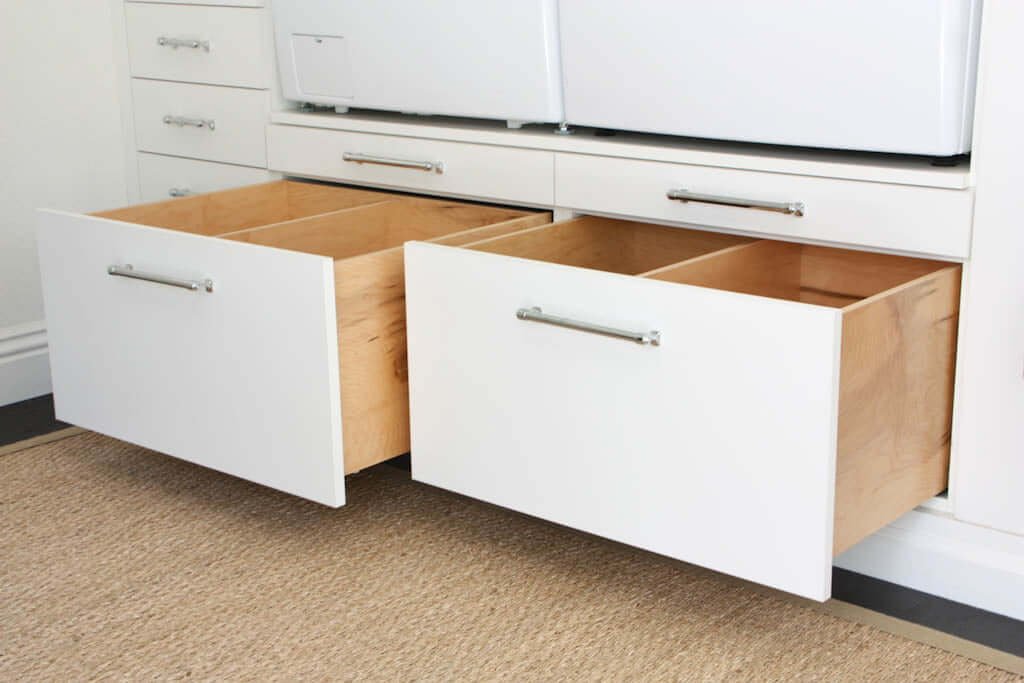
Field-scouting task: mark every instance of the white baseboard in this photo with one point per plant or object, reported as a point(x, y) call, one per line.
point(24, 362)
point(937, 554)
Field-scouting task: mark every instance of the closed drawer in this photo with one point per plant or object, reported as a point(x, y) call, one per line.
point(501, 173)
point(229, 329)
point(750, 406)
point(886, 216)
point(201, 121)
point(199, 44)
point(161, 177)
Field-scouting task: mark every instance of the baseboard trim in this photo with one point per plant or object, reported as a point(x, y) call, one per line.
point(937, 554)
point(24, 362)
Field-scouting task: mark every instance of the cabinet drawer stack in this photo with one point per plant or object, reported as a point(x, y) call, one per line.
point(200, 89)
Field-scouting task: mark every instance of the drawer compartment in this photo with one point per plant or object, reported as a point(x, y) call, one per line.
point(907, 218)
point(176, 118)
point(163, 177)
point(753, 408)
point(257, 331)
point(523, 176)
point(199, 44)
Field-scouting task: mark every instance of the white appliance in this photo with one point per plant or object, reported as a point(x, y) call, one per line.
point(495, 59)
point(877, 75)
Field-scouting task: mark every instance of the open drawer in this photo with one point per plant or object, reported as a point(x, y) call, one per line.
point(257, 331)
point(749, 406)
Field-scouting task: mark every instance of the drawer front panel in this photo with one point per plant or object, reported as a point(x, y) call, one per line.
point(500, 173)
point(243, 379)
point(199, 44)
point(161, 177)
point(898, 217)
point(239, 117)
point(716, 447)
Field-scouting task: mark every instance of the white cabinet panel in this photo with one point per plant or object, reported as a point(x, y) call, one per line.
point(239, 118)
point(231, 44)
point(161, 176)
point(243, 379)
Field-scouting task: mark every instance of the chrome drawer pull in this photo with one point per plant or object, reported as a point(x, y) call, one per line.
point(791, 208)
point(128, 271)
point(180, 192)
point(355, 157)
point(182, 121)
point(175, 43)
point(534, 314)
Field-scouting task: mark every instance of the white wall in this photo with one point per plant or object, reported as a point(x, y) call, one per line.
point(61, 146)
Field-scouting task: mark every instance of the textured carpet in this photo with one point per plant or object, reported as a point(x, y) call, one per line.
point(120, 564)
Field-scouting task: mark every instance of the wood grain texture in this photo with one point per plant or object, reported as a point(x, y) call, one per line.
point(895, 403)
point(376, 227)
point(218, 213)
point(764, 268)
point(823, 276)
point(372, 358)
point(607, 244)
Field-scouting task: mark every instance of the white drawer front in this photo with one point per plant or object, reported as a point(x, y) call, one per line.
point(243, 379)
point(716, 447)
point(466, 170)
point(161, 177)
point(229, 44)
point(885, 216)
point(239, 117)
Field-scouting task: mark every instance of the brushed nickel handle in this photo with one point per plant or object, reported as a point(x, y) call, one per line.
point(791, 208)
point(175, 43)
point(535, 314)
point(182, 121)
point(357, 158)
point(128, 271)
point(180, 192)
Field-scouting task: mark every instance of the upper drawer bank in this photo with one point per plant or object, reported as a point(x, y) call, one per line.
point(258, 331)
point(201, 121)
point(879, 215)
point(508, 174)
point(199, 44)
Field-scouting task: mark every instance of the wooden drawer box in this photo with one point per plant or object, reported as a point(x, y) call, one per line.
point(175, 118)
point(257, 331)
point(228, 45)
point(521, 176)
point(750, 406)
point(925, 220)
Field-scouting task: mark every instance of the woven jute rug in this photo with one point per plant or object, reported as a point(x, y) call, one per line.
point(117, 563)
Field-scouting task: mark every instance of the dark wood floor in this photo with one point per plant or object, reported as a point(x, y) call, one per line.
point(35, 417)
point(27, 419)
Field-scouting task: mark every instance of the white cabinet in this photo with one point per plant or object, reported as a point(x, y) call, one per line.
point(162, 177)
point(749, 406)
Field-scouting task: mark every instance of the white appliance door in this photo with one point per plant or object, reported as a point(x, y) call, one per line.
point(869, 75)
point(488, 58)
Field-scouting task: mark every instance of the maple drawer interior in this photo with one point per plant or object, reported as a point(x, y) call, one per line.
point(898, 352)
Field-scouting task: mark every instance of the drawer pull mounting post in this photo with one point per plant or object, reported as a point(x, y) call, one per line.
point(790, 208)
point(192, 285)
point(535, 314)
point(182, 121)
point(180, 192)
point(429, 166)
point(175, 43)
